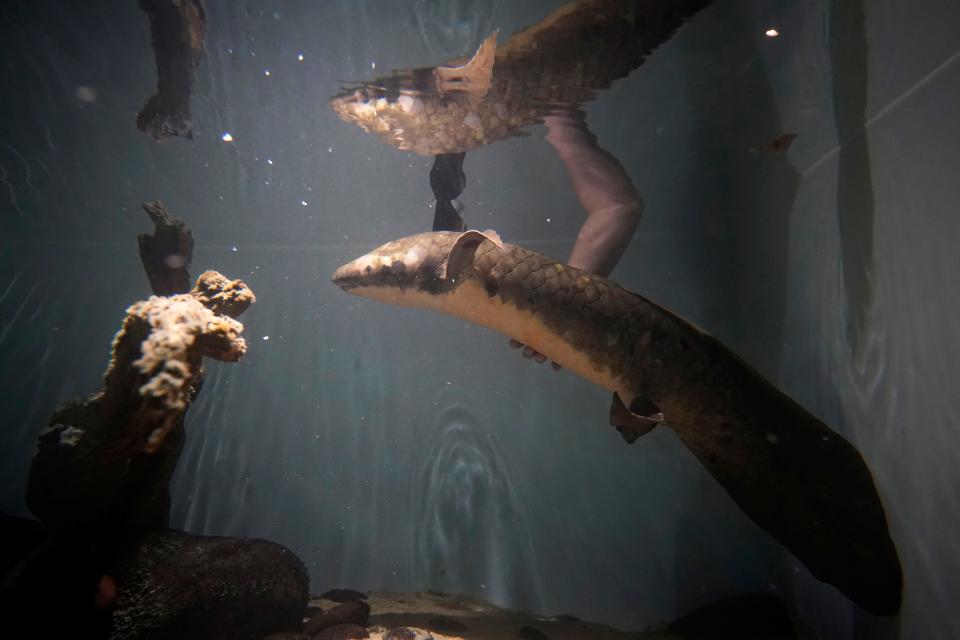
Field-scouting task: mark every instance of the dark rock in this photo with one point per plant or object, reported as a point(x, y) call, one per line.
point(343, 595)
point(63, 573)
point(185, 587)
point(286, 636)
point(313, 611)
point(19, 537)
point(753, 616)
point(356, 612)
point(531, 633)
point(444, 624)
point(343, 632)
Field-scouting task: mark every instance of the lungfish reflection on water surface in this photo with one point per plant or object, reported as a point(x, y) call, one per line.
point(797, 479)
point(580, 48)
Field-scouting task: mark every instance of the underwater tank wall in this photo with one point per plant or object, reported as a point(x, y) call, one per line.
point(400, 450)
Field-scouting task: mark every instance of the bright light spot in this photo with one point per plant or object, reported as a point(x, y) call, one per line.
point(329, 149)
point(269, 161)
point(266, 337)
point(266, 72)
point(373, 65)
point(86, 94)
point(300, 57)
point(548, 219)
point(226, 137)
point(175, 261)
point(234, 249)
point(303, 202)
point(771, 33)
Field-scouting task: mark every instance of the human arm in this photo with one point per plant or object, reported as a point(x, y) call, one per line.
point(611, 202)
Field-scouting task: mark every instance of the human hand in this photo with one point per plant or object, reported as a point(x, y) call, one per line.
point(532, 354)
point(106, 594)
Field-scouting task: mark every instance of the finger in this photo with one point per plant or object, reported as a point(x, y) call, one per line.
point(528, 352)
point(556, 366)
point(539, 357)
point(515, 344)
point(106, 593)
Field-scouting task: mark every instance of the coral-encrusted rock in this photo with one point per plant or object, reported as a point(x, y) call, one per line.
point(88, 468)
point(222, 296)
point(179, 586)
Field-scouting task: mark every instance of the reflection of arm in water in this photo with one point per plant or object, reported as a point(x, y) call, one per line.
point(447, 181)
point(611, 202)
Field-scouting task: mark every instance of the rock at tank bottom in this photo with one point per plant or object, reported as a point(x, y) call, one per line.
point(186, 587)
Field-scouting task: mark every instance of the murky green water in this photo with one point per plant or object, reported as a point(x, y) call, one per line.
point(398, 449)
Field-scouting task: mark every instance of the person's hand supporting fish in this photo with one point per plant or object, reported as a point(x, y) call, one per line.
point(605, 191)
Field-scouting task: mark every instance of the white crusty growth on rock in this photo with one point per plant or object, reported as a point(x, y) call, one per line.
point(173, 334)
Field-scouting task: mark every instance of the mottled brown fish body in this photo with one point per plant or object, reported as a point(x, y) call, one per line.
point(579, 49)
point(803, 483)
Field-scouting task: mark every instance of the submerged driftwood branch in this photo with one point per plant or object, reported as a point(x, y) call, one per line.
point(177, 30)
point(167, 252)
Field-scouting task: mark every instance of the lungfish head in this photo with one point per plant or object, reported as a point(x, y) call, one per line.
point(404, 271)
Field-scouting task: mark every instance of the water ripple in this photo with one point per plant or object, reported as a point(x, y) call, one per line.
point(449, 29)
point(471, 533)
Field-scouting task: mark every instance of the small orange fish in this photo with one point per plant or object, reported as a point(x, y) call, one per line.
point(778, 145)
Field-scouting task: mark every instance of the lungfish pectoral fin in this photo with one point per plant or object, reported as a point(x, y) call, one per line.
point(460, 258)
point(640, 419)
point(474, 77)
